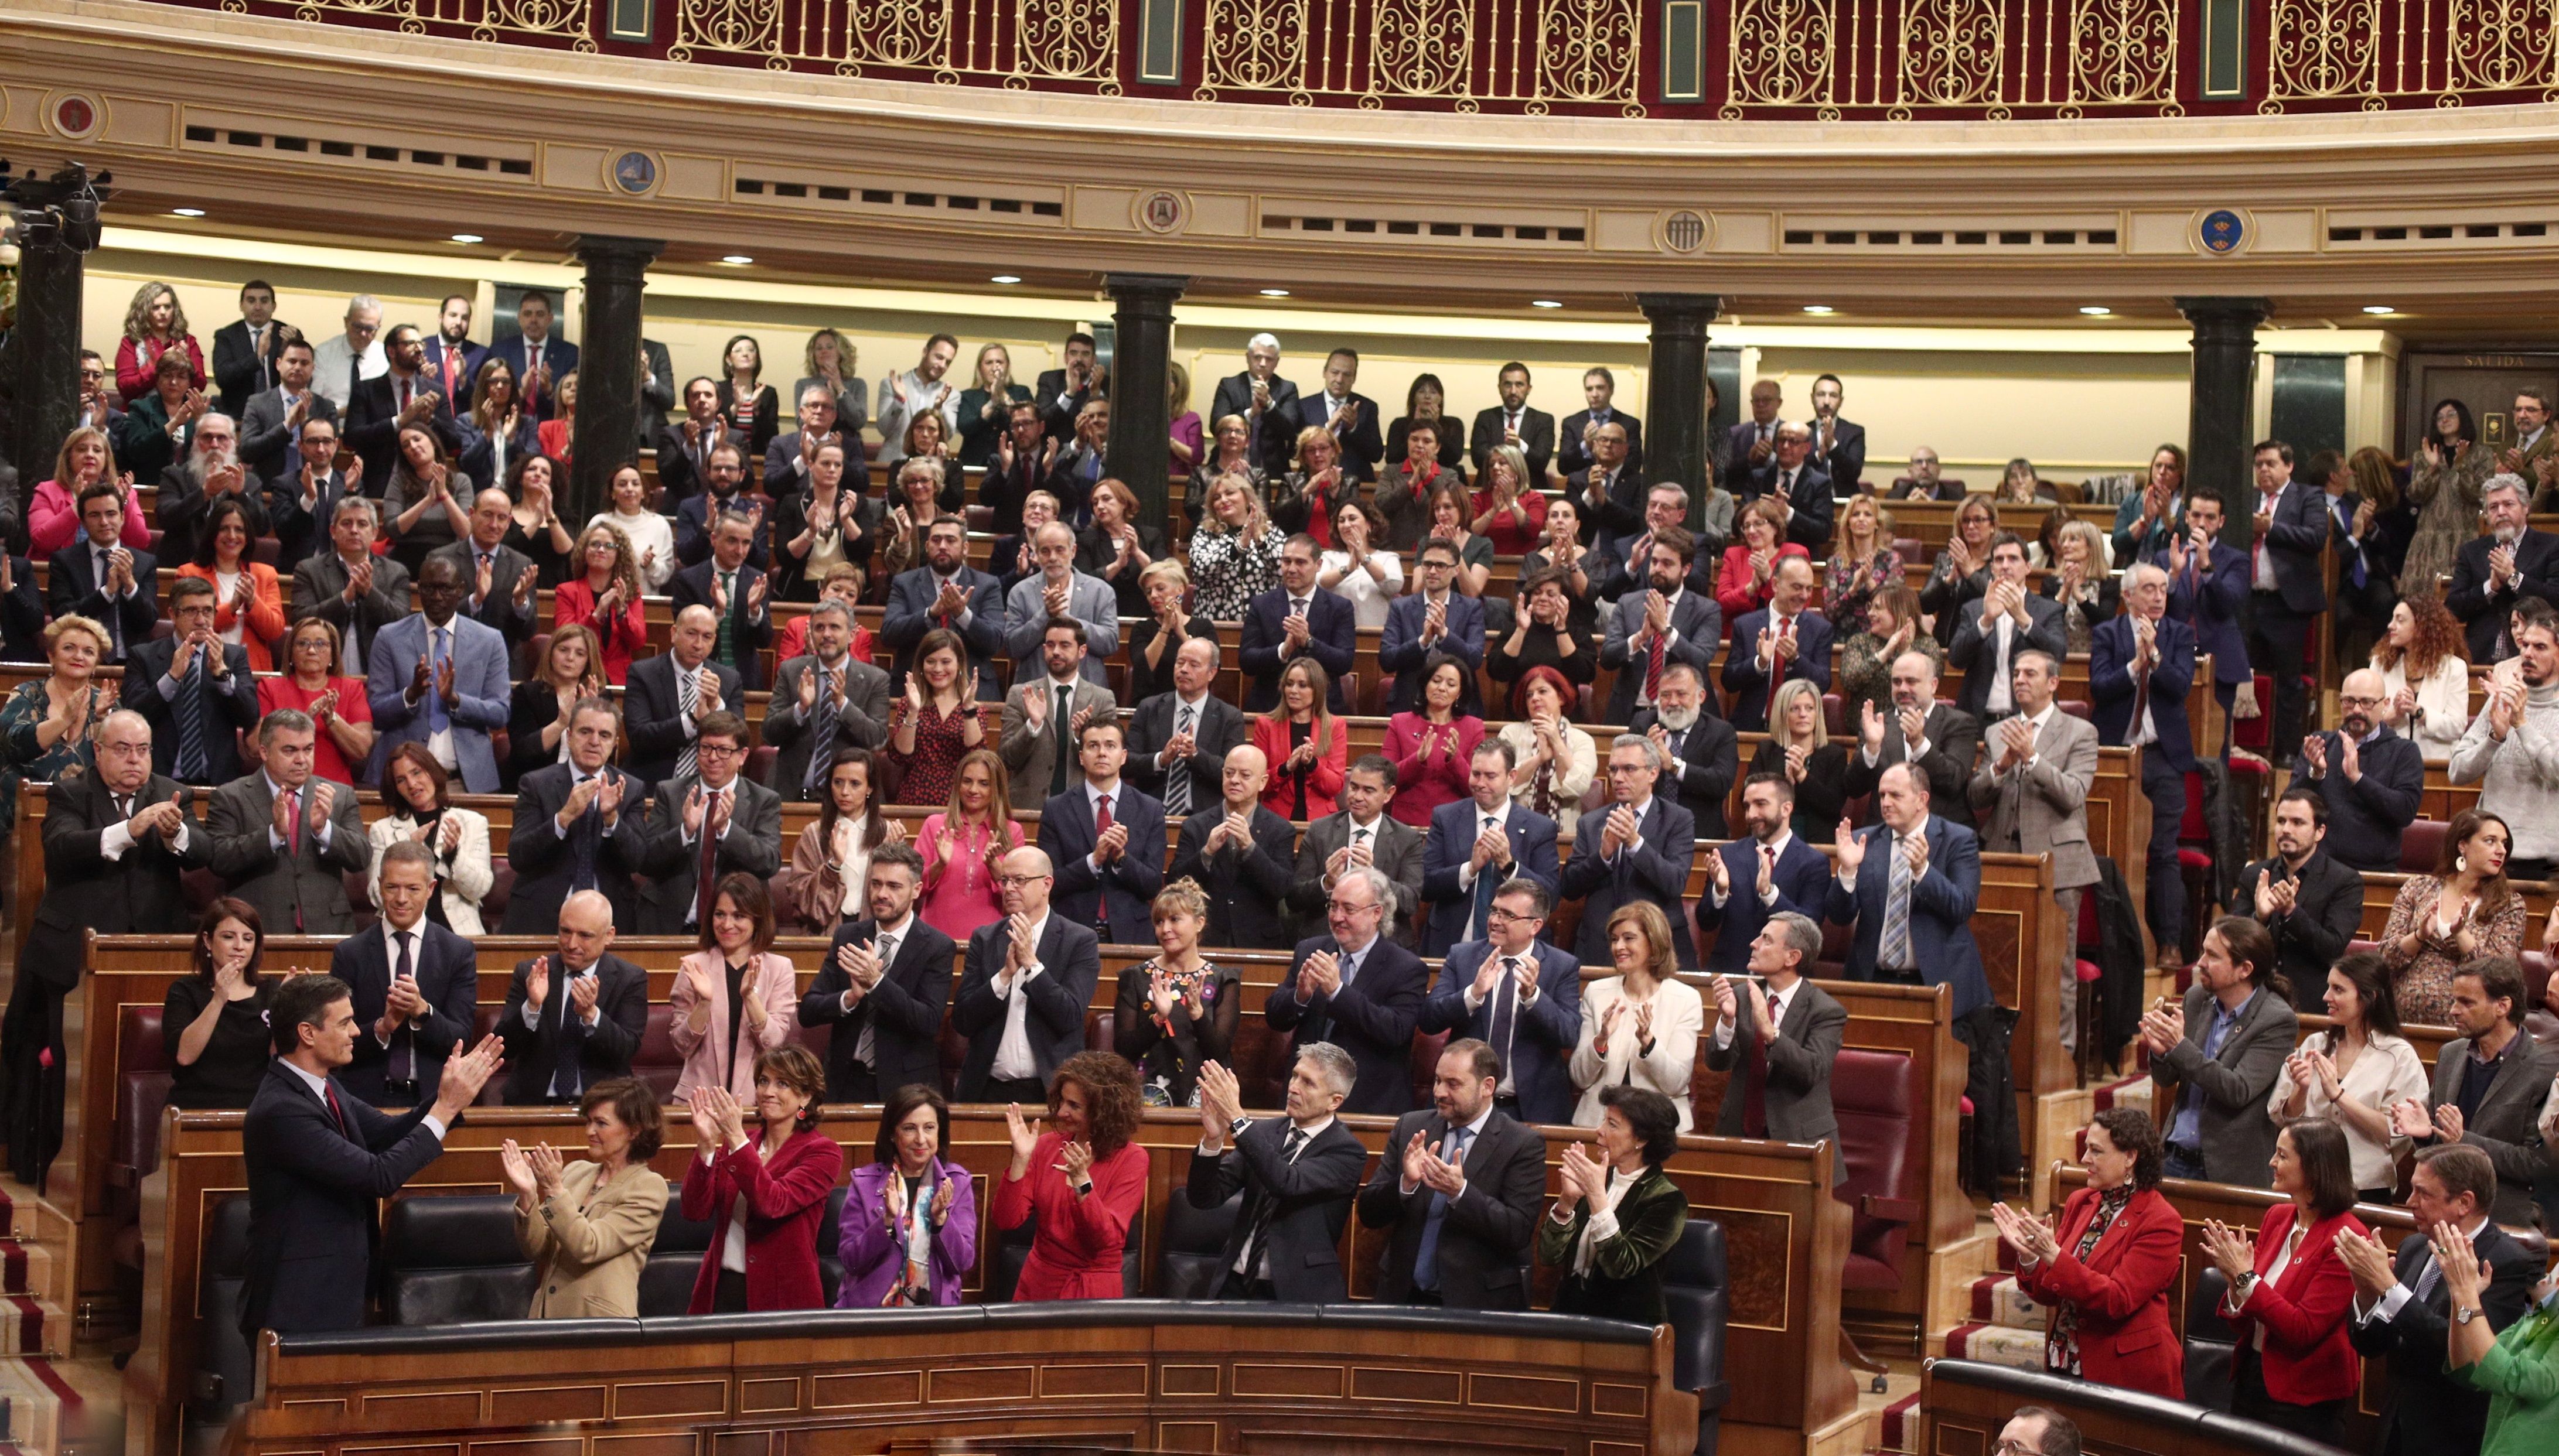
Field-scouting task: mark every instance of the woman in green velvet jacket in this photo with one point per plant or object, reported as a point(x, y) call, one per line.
point(1619, 1215)
point(2519, 1369)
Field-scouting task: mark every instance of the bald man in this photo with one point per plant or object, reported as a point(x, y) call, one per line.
point(497, 580)
point(1057, 589)
point(2370, 777)
point(1244, 856)
point(667, 697)
point(1021, 999)
point(575, 1017)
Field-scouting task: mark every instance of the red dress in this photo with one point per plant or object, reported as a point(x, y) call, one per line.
point(1423, 784)
point(1509, 538)
point(786, 1201)
point(2308, 1356)
point(2119, 1295)
point(283, 692)
point(1733, 589)
point(1324, 776)
point(1076, 1253)
point(926, 775)
point(625, 637)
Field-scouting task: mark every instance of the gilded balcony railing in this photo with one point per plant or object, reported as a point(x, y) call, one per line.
point(1470, 53)
point(2381, 53)
point(1987, 57)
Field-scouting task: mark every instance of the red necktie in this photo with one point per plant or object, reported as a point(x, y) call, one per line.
point(328, 1095)
point(452, 368)
point(403, 394)
point(1101, 817)
point(1653, 670)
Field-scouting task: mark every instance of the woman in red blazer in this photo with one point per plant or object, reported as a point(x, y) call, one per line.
point(1306, 747)
point(767, 1196)
point(2107, 1266)
point(2290, 1293)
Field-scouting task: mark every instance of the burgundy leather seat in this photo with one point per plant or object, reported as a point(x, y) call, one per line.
point(2419, 845)
point(1875, 1096)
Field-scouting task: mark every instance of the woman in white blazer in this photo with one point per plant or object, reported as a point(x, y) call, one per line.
point(418, 793)
point(734, 998)
point(1641, 1025)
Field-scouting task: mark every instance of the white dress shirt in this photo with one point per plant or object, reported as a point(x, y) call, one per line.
point(1014, 1060)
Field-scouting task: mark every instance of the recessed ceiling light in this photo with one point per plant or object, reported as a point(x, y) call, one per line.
point(1007, 278)
point(740, 259)
point(1819, 307)
point(466, 238)
point(1544, 303)
point(2380, 308)
point(2095, 310)
point(1275, 293)
point(186, 212)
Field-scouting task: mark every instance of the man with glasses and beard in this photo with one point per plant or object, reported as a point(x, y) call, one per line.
point(1362, 834)
point(2370, 777)
point(946, 593)
point(187, 490)
point(1701, 756)
point(2512, 740)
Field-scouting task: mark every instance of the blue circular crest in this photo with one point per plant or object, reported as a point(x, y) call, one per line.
point(2222, 232)
point(635, 173)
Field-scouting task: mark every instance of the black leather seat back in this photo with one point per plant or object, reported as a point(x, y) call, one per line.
point(225, 1367)
point(452, 1261)
point(2209, 1343)
point(831, 1269)
point(675, 1262)
point(1698, 1293)
point(1193, 1265)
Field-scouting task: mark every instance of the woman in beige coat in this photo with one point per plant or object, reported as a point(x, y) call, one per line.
point(1640, 1026)
point(734, 998)
point(587, 1225)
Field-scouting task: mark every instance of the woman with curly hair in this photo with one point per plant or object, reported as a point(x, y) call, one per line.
point(154, 324)
point(1314, 489)
point(1177, 1009)
point(1963, 570)
point(2427, 680)
point(2090, 595)
point(605, 599)
point(2463, 911)
point(1085, 1178)
point(2444, 480)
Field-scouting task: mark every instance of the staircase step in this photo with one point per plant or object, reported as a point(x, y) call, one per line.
point(1903, 1424)
point(30, 1269)
point(34, 1327)
point(31, 1414)
point(1997, 1301)
point(2131, 1092)
point(1997, 1345)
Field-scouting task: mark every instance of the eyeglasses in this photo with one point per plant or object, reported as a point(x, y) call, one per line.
point(1500, 917)
point(2346, 701)
point(1347, 909)
point(1016, 882)
point(718, 751)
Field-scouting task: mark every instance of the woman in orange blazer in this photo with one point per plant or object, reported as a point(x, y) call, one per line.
point(766, 1188)
point(249, 599)
point(2108, 1263)
point(1307, 748)
point(2290, 1293)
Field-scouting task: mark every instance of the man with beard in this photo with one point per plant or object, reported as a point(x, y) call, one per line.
point(2488, 1087)
point(1703, 757)
point(884, 988)
point(2306, 900)
point(1939, 738)
point(946, 593)
point(919, 390)
point(1361, 835)
point(2032, 796)
point(1766, 873)
point(189, 488)
point(2493, 572)
point(2512, 741)
point(403, 395)
point(685, 447)
point(697, 517)
point(1669, 620)
point(452, 360)
point(273, 419)
point(2370, 777)
point(1460, 1187)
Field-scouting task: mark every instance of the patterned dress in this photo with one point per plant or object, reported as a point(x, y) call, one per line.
point(2061, 1343)
point(927, 773)
point(2423, 979)
point(26, 709)
point(1229, 571)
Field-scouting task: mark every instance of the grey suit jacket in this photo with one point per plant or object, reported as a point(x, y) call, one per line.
point(2503, 1126)
point(300, 892)
point(864, 720)
point(1698, 625)
point(1088, 600)
point(1030, 759)
point(753, 845)
point(1798, 1088)
point(319, 590)
point(497, 609)
point(264, 439)
point(2043, 804)
point(2234, 1132)
point(1397, 852)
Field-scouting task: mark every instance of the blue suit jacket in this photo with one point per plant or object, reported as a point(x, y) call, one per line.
point(1444, 852)
point(1941, 913)
point(479, 676)
point(1401, 651)
point(1121, 895)
point(2300, 531)
point(2210, 601)
point(473, 355)
point(1751, 687)
point(908, 618)
point(1541, 1036)
point(1372, 1018)
point(2111, 688)
point(556, 352)
point(1333, 634)
point(448, 976)
point(1655, 869)
point(313, 1186)
point(1802, 882)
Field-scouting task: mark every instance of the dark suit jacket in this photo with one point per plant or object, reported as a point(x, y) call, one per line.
point(2329, 908)
point(1954, 741)
point(556, 353)
point(1332, 636)
point(1977, 652)
point(1395, 850)
point(1537, 1062)
point(907, 619)
point(541, 859)
point(448, 976)
point(752, 845)
point(71, 586)
point(1310, 1200)
point(313, 1185)
point(1571, 459)
point(1845, 462)
point(1057, 408)
point(2432, 1411)
point(2210, 601)
point(2366, 816)
point(1655, 869)
point(1802, 881)
point(792, 733)
point(231, 703)
point(1536, 437)
point(319, 590)
point(137, 893)
point(299, 532)
point(1119, 896)
point(1751, 687)
point(1372, 1018)
point(370, 426)
point(1704, 769)
point(675, 468)
point(1401, 651)
point(1219, 730)
point(1737, 441)
point(1070, 968)
point(1699, 624)
point(498, 612)
point(2110, 653)
point(1619, 513)
point(1809, 525)
point(2294, 540)
point(265, 445)
point(1941, 913)
point(652, 721)
point(182, 505)
point(904, 1011)
point(2485, 613)
point(1450, 846)
point(466, 367)
point(750, 630)
point(693, 536)
point(1797, 1093)
point(1278, 438)
point(2502, 1125)
point(1485, 1231)
point(299, 892)
point(1247, 889)
point(243, 370)
point(602, 1051)
point(22, 614)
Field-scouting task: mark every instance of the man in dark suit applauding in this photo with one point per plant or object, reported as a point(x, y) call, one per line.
point(2310, 903)
point(1459, 1185)
point(1520, 996)
point(1910, 886)
point(670, 693)
point(1433, 621)
point(1242, 855)
point(1022, 995)
point(1179, 740)
point(577, 826)
point(1358, 990)
point(2489, 1085)
point(1361, 833)
point(1577, 446)
point(344, 584)
point(718, 822)
point(1299, 1173)
point(883, 988)
point(1350, 418)
point(2492, 572)
point(1838, 445)
point(1297, 620)
point(2290, 530)
point(1477, 844)
point(2141, 666)
point(416, 984)
point(1785, 638)
point(98, 577)
point(1779, 1034)
point(1941, 739)
point(2403, 1308)
point(1666, 618)
point(2370, 777)
point(1512, 422)
point(1105, 840)
point(1700, 749)
point(1797, 485)
point(2008, 618)
point(193, 689)
point(1767, 872)
point(246, 351)
point(573, 1019)
point(1641, 849)
point(1267, 404)
point(320, 1160)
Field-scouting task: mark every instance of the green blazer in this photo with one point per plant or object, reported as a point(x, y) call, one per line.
point(1625, 1279)
point(2520, 1373)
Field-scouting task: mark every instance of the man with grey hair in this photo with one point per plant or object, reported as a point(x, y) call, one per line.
point(1268, 406)
point(349, 587)
point(2141, 666)
point(286, 839)
point(212, 471)
point(826, 700)
point(1791, 478)
point(1357, 989)
point(1059, 590)
point(2493, 572)
point(1779, 1034)
point(2030, 795)
point(1641, 849)
point(341, 360)
point(787, 459)
point(1298, 1172)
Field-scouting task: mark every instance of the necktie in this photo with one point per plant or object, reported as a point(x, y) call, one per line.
point(294, 798)
point(1754, 1080)
point(193, 766)
point(566, 1049)
point(403, 1049)
point(1177, 783)
point(706, 874)
point(688, 697)
point(865, 1048)
point(822, 734)
point(1679, 743)
point(1256, 1257)
point(123, 806)
point(439, 654)
point(1484, 887)
point(452, 366)
point(1653, 655)
point(2429, 1277)
point(1896, 904)
point(1426, 1255)
point(114, 618)
point(581, 844)
point(1065, 753)
point(725, 650)
point(1505, 1009)
point(1102, 815)
point(337, 1114)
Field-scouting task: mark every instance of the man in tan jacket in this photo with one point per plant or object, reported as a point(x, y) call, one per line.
point(2031, 796)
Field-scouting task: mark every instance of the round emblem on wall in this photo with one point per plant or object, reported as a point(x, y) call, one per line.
point(74, 117)
point(1164, 212)
point(2222, 232)
point(635, 174)
point(1684, 231)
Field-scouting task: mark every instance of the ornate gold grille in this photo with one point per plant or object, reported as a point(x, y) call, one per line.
point(1014, 41)
point(1533, 52)
point(485, 20)
point(1907, 58)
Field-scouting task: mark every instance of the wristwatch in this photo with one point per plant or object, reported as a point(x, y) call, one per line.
point(1235, 1127)
point(2464, 1316)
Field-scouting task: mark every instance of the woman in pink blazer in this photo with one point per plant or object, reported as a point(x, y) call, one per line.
point(734, 998)
point(2290, 1294)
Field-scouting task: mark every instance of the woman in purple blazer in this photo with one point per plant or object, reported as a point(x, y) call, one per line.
point(910, 1220)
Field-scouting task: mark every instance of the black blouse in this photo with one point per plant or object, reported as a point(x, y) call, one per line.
point(1824, 792)
point(1145, 681)
point(235, 1057)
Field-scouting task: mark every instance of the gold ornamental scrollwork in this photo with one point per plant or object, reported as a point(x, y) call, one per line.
point(2122, 52)
point(1069, 40)
point(2323, 47)
point(1422, 48)
point(1952, 52)
point(2498, 45)
point(739, 27)
point(1782, 53)
point(908, 33)
point(1255, 45)
point(1588, 51)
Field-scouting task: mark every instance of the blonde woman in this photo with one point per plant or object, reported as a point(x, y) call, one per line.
point(986, 405)
point(1234, 553)
point(1639, 1027)
point(1189, 442)
point(1799, 749)
point(1862, 564)
point(2089, 593)
point(835, 365)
